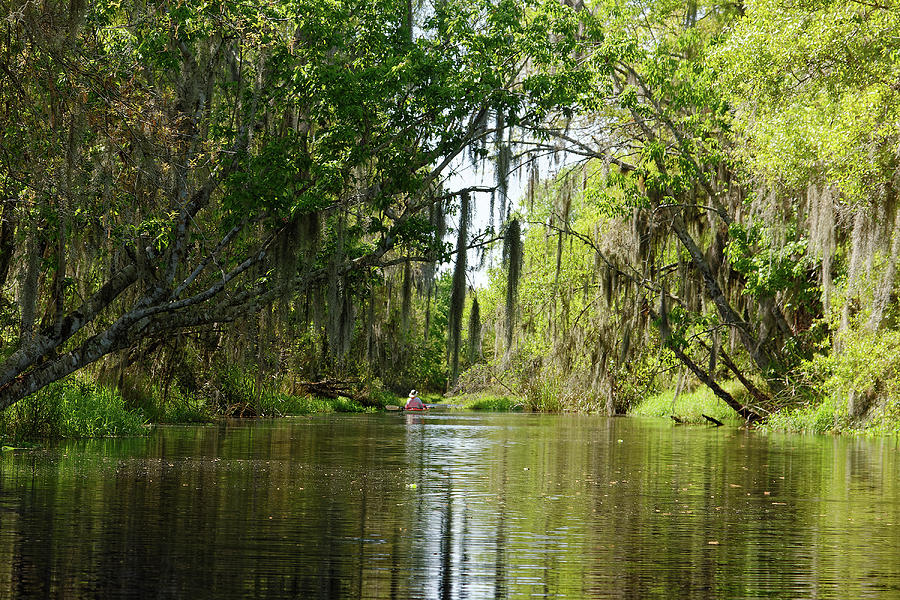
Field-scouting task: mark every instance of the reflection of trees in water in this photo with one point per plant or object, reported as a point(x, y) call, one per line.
point(396, 566)
point(541, 505)
point(446, 585)
point(500, 558)
point(457, 540)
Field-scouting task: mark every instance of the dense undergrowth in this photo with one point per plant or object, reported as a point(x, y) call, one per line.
point(826, 416)
point(844, 399)
point(75, 408)
point(852, 385)
point(70, 409)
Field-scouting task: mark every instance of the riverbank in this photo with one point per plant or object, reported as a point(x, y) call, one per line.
point(488, 402)
point(689, 407)
point(828, 416)
point(78, 408)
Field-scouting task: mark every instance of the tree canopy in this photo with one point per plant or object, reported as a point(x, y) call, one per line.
point(710, 189)
point(174, 165)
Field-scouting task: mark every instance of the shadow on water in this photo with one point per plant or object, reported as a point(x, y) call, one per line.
point(452, 506)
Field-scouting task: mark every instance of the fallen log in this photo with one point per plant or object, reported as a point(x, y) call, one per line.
point(715, 422)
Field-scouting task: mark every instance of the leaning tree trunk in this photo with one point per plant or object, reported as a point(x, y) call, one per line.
point(759, 350)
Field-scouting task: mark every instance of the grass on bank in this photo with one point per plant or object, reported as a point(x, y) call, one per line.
point(236, 393)
point(276, 404)
point(830, 416)
point(164, 404)
point(487, 402)
point(690, 406)
point(70, 409)
point(75, 408)
point(827, 416)
point(810, 418)
point(426, 397)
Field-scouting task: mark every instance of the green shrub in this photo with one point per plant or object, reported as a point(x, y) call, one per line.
point(234, 385)
point(868, 361)
point(181, 407)
point(381, 397)
point(856, 385)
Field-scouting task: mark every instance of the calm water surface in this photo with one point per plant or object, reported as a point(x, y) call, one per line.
point(452, 505)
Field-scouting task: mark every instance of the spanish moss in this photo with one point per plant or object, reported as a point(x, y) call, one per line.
point(512, 244)
point(458, 290)
point(474, 331)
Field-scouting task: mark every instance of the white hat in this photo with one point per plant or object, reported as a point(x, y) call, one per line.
point(412, 394)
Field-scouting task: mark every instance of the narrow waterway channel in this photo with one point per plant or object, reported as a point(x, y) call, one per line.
point(452, 505)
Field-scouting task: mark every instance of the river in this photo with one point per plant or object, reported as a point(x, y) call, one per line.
point(452, 505)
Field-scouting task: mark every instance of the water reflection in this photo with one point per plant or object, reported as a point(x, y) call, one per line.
point(456, 505)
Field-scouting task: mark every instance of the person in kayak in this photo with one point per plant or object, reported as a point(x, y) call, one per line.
point(414, 403)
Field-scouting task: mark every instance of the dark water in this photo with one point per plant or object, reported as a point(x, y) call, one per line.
point(452, 505)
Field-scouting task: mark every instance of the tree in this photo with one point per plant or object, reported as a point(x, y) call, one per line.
point(732, 171)
point(815, 93)
point(659, 129)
